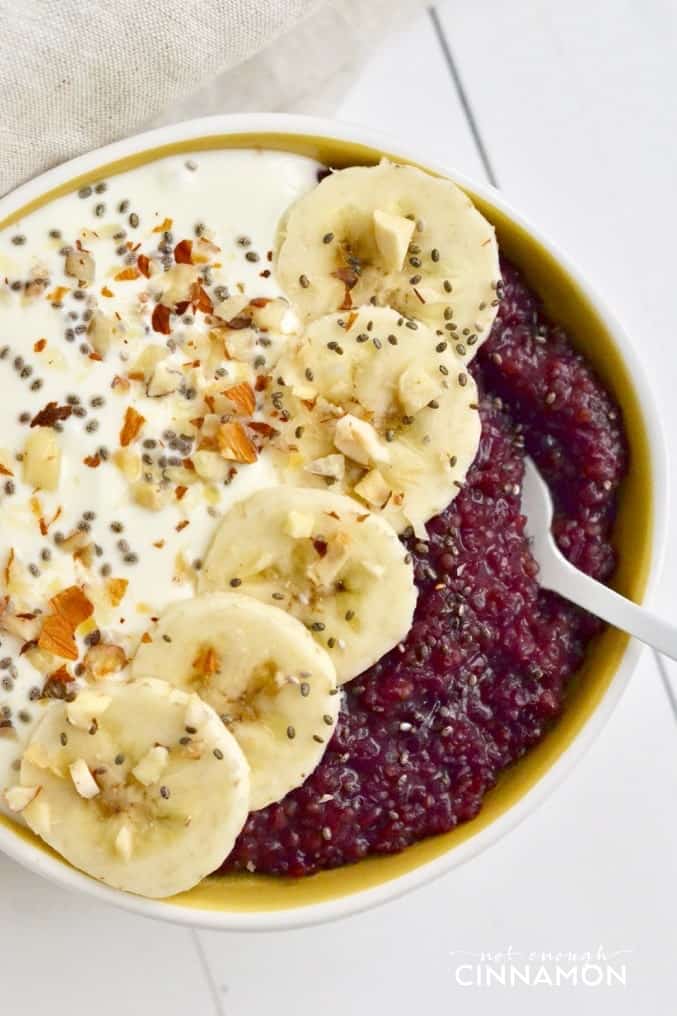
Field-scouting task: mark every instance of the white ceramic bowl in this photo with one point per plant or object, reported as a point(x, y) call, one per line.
point(384, 882)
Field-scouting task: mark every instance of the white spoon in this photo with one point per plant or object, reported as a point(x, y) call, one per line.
point(557, 574)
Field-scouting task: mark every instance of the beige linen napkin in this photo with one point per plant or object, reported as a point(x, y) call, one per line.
point(76, 74)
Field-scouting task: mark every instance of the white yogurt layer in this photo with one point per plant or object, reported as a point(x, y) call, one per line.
point(229, 205)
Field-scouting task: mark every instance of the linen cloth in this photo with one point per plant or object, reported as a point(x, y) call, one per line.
point(76, 74)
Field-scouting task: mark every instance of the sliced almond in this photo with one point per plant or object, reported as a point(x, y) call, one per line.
point(235, 444)
point(72, 605)
point(242, 397)
point(57, 637)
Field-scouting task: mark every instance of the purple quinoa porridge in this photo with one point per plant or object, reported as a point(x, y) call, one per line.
point(483, 673)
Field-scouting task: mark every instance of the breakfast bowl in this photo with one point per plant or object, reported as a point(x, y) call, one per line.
point(257, 897)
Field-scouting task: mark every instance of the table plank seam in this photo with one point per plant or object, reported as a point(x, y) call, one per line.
point(463, 96)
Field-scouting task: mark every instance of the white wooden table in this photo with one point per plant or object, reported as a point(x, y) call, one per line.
point(570, 109)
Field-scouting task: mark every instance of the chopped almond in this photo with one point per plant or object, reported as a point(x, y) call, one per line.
point(180, 492)
point(93, 461)
point(105, 291)
point(80, 265)
point(200, 300)
point(116, 589)
point(145, 638)
point(165, 225)
point(243, 398)
point(4, 471)
point(235, 444)
point(132, 425)
point(207, 662)
point(104, 659)
point(120, 384)
point(61, 676)
point(183, 252)
point(144, 265)
point(160, 319)
point(51, 414)
point(72, 605)
point(57, 637)
point(127, 274)
point(39, 345)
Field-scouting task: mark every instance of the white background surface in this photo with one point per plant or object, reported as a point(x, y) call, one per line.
point(570, 108)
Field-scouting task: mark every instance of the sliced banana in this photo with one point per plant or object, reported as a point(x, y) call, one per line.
point(396, 236)
point(381, 410)
point(130, 797)
point(325, 559)
point(272, 686)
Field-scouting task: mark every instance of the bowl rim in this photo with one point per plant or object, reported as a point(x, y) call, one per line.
point(15, 846)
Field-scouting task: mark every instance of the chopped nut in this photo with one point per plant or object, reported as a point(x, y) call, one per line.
point(57, 637)
point(298, 525)
point(84, 782)
point(235, 444)
point(374, 489)
point(333, 466)
point(87, 707)
point(124, 842)
point(128, 463)
point(116, 589)
point(42, 459)
point(164, 381)
point(151, 495)
point(393, 235)
point(211, 466)
point(104, 659)
point(72, 605)
point(358, 440)
point(131, 427)
point(103, 331)
point(18, 798)
point(80, 265)
point(416, 388)
point(151, 767)
point(242, 397)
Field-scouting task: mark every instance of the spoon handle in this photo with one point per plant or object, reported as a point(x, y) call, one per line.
point(613, 608)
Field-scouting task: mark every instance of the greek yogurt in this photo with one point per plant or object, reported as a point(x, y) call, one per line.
point(158, 257)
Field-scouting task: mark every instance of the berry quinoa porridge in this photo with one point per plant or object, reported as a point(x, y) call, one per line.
point(483, 673)
point(266, 601)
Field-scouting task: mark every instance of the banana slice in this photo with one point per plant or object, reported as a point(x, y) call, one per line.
point(324, 559)
point(128, 795)
point(261, 671)
point(383, 411)
point(395, 236)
